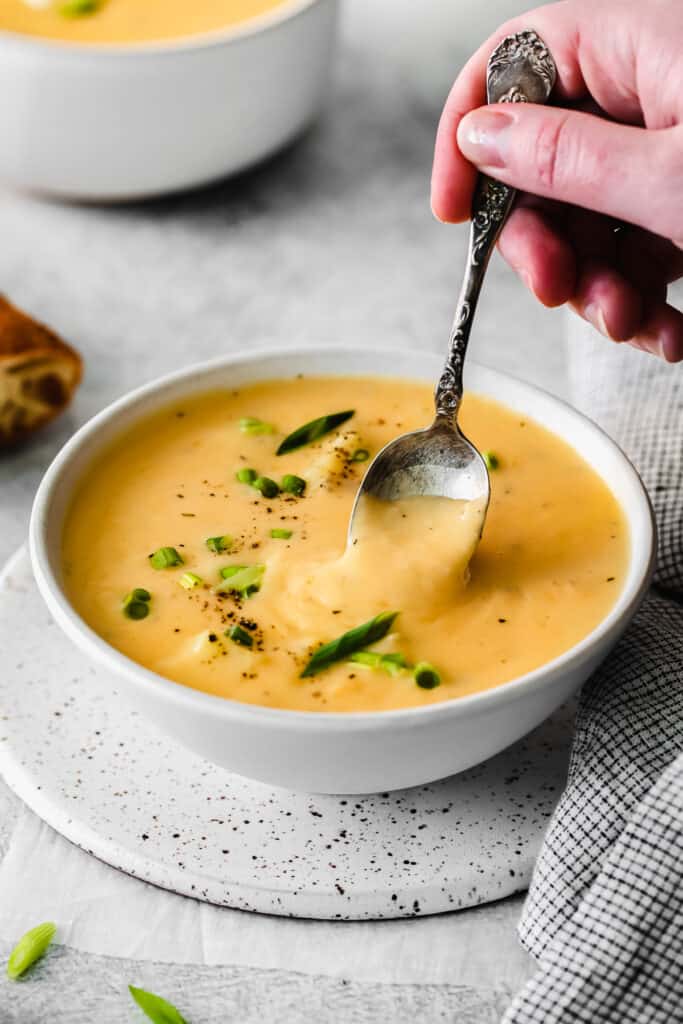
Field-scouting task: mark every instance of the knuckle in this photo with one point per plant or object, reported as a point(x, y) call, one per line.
point(661, 211)
point(672, 163)
point(553, 152)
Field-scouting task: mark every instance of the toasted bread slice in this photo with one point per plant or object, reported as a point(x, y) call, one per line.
point(39, 374)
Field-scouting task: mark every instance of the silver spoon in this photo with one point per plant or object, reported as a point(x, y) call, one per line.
point(439, 460)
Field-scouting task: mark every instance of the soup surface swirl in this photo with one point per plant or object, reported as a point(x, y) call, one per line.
point(260, 579)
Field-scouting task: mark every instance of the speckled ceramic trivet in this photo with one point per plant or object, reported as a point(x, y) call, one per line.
point(109, 782)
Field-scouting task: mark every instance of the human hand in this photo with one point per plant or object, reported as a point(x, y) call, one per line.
point(614, 151)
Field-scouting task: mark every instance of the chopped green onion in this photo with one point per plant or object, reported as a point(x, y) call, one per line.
point(392, 664)
point(252, 425)
point(30, 948)
point(369, 658)
point(136, 604)
point(242, 579)
point(426, 675)
point(159, 1010)
point(360, 455)
point(264, 484)
point(78, 8)
point(491, 459)
point(267, 487)
point(240, 636)
point(314, 430)
point(190, 580)
point(279, 534)
point(218, 544)
point(165, 558)
point(231, 570)
point(293, 484)
point(348, 643)
point(135, 609)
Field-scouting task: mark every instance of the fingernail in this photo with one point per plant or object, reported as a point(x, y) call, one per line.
point(436, 216)
point(666, 348)
point(482, 137)
point(526, 277)
point(595, 316)
point(654, 347)
point(649, 345)
point(672, 350)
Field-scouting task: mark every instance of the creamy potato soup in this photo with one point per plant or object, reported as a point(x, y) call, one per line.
point(209, 544)
point(126, 21)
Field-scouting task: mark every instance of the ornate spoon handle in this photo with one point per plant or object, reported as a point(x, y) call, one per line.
point(520, 70)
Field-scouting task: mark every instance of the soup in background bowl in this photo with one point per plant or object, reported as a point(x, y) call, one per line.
point(564, 560)
point(127, 21)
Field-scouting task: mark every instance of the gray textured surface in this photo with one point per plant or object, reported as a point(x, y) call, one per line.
point(72, 988)
point(332, 240)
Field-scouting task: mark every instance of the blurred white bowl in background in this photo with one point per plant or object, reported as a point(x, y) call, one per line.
point(118, 122)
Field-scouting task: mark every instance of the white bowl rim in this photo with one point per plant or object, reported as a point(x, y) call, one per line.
point(284, 10)
point(118, 663)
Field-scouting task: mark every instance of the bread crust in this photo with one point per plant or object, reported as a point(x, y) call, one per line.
point(39, 374)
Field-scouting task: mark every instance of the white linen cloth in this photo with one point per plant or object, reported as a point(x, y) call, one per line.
point(604, 915)
point(102, 911)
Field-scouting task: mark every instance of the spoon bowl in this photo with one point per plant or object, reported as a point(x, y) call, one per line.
point(439, 461)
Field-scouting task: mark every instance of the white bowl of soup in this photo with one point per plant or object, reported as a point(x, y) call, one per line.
point(121, 99)
point(191, 540)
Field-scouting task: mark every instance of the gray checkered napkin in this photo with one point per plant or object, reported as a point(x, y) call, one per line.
point(604, 915)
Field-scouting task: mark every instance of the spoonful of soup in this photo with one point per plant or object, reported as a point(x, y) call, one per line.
point(439, 461)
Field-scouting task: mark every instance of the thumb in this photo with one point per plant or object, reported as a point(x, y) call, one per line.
point(633, 174)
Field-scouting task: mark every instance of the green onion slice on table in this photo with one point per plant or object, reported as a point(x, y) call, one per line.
point(314, 430)
point(348, 643)
point(30, 948)
point(159, 1010)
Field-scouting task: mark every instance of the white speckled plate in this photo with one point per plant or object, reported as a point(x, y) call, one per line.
point(105, 779)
